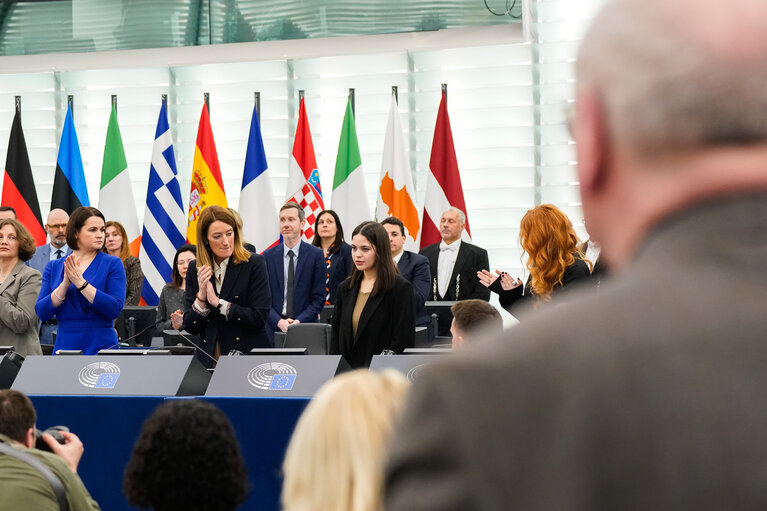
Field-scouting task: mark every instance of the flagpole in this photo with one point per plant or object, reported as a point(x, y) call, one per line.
point(71, 104)
point(444, 92)
point(17, 99)
point(257, 101)
point(164, 99)
point(206, 98)
point(396, 94)
point(351, 98)
point(114, 102)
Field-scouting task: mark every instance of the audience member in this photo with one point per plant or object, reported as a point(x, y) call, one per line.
point(553, 259)
point(329, 236)
point(649, 392)
point(591, 251)
point(19, 287)
point(336, 457)
point(186, 459)
point(414, 267)
point(170, 310)
point(473, 319)
point(296, 275)
point(374, 311)
point(454, 263)
point(116, 244)
point(84, 291)
point(22, 485)
point(226, 299)
point(7, 212)
point(56, 226)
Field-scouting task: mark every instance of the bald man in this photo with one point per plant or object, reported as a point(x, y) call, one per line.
point(650, 393)
point(55, 226)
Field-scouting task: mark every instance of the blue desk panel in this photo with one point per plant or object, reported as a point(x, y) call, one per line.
point(110, 425)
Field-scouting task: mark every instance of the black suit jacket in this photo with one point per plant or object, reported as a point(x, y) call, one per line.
point(387, 323)
point(415, 268)
point(340, 268)
point(464, 283)
point(246, 287)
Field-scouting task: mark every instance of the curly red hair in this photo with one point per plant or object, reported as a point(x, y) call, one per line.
point(548, 238)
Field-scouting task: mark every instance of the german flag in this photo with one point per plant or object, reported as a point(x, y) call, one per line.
point(19, 185)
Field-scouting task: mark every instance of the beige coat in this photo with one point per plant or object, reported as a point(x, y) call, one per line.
point(18, 320)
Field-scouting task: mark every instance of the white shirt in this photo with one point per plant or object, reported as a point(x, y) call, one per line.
point(592, 253)
point(447, 256)
point(219, 272)
point(398, 257)
point(286, 262)
point(53, 255)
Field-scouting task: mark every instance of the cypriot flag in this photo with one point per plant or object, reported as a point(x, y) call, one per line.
point(116, 194)
point(396, 193)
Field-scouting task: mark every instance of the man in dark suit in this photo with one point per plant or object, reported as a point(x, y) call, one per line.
point(648, 393)
point(414, 267)
point(56, 227)
point(454, 263)
point(296, 275)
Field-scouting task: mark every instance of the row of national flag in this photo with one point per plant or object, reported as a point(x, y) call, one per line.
point(167, 226)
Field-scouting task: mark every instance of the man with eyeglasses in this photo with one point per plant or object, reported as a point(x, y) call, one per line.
point(56, 227)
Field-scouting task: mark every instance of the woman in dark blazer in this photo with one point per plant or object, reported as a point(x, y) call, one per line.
point(374, 307)
point(329, 236)
point(554, 261)
point(227, 296)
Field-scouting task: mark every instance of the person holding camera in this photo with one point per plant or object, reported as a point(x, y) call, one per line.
point(24, 483)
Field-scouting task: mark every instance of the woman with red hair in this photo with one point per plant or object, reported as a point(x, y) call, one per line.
point(554, 262)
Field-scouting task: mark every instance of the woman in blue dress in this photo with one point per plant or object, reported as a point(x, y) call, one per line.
point(85, 291)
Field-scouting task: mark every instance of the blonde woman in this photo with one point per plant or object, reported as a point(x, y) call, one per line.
point(336, 457)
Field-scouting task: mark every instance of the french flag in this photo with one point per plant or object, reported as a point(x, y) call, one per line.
point(259, 214)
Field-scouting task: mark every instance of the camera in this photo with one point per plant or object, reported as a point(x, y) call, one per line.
point(55, 432)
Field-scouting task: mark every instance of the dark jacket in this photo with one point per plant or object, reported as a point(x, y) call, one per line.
point(246, 287)
point(464, 283)
point(340, 268)
point(387, 323)
point(415, 268)
point(513, 298)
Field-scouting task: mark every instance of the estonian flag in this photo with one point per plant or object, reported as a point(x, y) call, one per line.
point(69, 189)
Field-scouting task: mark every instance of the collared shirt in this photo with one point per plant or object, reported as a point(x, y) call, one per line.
point(53, 256)
point(219, 272)
point(286, 261)
point(397, 258)
point(592, 253)
point(447, 256)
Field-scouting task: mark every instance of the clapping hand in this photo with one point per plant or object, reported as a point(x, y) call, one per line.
point(507, 281)
point(177, 320)
point(204, 273)
point(72, 271)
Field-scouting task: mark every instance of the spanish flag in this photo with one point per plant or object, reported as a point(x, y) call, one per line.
point(207, 185)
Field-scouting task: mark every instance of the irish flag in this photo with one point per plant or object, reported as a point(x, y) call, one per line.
point(116, 193)
point(207, 185)
point(396, 193)
point(349, 195)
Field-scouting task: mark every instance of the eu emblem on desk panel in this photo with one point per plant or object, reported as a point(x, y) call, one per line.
point(409, 365)
point(274, 375)
point(100, 375)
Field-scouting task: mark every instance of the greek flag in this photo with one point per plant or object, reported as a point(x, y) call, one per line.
point(164, 217)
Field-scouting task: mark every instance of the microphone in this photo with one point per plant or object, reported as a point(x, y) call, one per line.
point(187, 339)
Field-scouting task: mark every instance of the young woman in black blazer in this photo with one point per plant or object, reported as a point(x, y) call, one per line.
point(374, 311)
point(228, 312)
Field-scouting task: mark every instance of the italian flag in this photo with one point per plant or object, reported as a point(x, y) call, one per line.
point(116, 194)
point(349, 195)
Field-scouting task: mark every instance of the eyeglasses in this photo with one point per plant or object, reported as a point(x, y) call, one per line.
point(57, 226)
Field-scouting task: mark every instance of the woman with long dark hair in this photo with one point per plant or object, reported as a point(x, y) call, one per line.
point(553, 259)
point(374, 311)
point(329, 236)
point(84, 291)
point(170, 310)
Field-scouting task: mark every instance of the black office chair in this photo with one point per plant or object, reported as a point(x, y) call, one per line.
point(315, 337)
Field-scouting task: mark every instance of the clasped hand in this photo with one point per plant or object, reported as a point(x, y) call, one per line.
point(206, 292)
point(72, 272)
point(507, 281)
